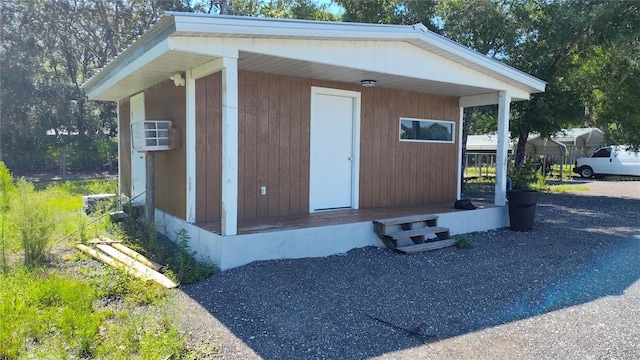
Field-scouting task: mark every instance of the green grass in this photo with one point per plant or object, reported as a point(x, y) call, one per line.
point(86, 187)
point(484, 171)
point(46, 313)
point(70, 306)
point(567, 188)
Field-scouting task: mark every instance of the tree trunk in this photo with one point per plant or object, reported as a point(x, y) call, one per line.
point(522, 143)
point(63, 165)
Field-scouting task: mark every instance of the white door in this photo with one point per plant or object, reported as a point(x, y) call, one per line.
point(333, 179)
point(138, 159)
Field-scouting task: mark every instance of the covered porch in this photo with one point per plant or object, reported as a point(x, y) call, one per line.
point(317, 234)
point(339, 217)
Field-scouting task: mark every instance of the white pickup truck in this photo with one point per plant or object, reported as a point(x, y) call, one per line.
point(609, 160)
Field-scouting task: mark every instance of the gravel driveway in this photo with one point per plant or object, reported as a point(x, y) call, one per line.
point(568, 289)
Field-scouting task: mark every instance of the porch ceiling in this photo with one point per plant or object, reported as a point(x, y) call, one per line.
point(284, 66)
point(159, 69)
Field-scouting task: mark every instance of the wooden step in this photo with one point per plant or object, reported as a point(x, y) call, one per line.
point(406, 220)
point(433, 245)
point(441, 232)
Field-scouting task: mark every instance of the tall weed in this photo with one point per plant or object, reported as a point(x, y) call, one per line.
point(7, 189)
point(34, 223)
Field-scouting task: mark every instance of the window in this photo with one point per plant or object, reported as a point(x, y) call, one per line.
point(426, 130)
point(604, 152)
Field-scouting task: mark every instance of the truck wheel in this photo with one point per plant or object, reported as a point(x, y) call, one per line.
point(586, 172)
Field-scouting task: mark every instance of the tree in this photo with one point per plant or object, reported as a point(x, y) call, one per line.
point(281, 9)
point(407, 12)
point(52, 47)
point(554, 33)
point(548, 39)
point(488, 27)
point(610, 74)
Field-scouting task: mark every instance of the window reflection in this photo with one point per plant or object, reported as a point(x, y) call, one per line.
point(426, 130)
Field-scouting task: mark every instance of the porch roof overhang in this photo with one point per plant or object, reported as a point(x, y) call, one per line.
point(406, 57)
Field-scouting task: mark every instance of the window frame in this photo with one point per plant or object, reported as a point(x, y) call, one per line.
point(453, 131)
point(607, 149)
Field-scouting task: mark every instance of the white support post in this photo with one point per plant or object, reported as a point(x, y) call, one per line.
point(504, 103)
point(119, 153)
point(190, 146)
point(229, 146)
point(460, 174)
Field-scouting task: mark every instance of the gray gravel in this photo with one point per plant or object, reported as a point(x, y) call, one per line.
point(568, 289)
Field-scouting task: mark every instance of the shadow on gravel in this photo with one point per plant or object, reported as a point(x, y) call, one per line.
point(373, 301)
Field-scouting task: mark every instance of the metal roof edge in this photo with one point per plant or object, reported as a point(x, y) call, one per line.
point(175, 23)
point(480, 59)
point(158, 32)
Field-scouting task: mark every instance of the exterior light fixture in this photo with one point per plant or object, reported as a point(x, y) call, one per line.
point(177, 78)
point(368, 83)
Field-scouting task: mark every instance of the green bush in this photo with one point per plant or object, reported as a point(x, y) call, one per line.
point(187, 269)
point(463, 242)
point(523, 176)
point(34, 223)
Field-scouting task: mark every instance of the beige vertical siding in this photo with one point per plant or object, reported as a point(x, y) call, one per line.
point(274, 119)
point(166, 101)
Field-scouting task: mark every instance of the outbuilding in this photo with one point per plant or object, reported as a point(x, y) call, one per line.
point(286, 138)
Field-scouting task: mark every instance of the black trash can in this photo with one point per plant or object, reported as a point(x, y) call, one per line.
point(522, 209)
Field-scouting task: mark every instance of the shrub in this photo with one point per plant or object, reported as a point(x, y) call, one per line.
point(523, 176)
point(463, 242)
point(33, 222)
point(187, 269)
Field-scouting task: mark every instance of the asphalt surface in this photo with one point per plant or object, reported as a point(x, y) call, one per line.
point(567, 289)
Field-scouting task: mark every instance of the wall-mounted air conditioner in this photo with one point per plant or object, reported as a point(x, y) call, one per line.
point(153, 135)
